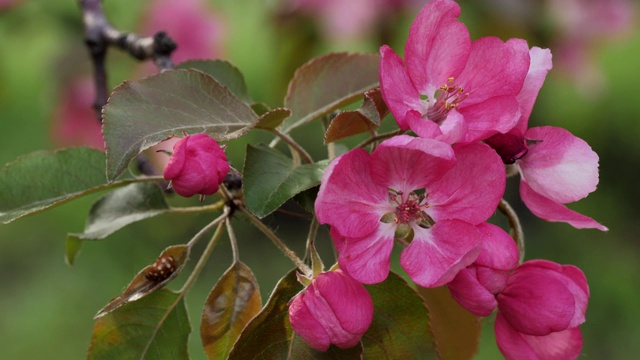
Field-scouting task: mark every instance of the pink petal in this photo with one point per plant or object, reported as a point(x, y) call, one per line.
point(560, 167)
point(437, 47)
point(177, 160)
point(499, 250)
point(397, 89)
point(561, 345)
point(471, 190)
point(407, 163)
point(349, 199)
point(538, 69)
point(536, 302)
point(471, 294)
point(366, 259)
point(436, 255)
point(424, 128)
point(550, 210)
point(304, 323)
point(453, 128)
point(494, 68)
point(495, 115)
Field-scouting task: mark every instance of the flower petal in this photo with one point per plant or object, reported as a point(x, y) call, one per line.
point(471, 190)
point(538, 69)
point(348, 198)
point(366, 259)
point(437, 47)
point(499, 250)
point(550, 210)
point(304, 323)
point(436, 255)
point(397, 89)
point(407, 163)
point(424, 128)
point(495, 115)
point(559, 345)
point(471, 294)
point(561, 167)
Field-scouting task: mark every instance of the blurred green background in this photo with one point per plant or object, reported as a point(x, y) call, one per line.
point(46, 307)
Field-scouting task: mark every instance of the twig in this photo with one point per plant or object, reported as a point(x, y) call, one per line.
point(516, 228)
point(294, 145)
point(380, 137)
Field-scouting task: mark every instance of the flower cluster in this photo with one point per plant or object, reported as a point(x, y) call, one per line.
point(469, 103)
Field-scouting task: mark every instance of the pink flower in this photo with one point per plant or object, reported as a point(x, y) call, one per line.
point(420, 191)
point(539, 311)
point(555, 167)
point(451, 88)
point(75, 122)
point(476, 286)
point(197, 166)
point(334, 309)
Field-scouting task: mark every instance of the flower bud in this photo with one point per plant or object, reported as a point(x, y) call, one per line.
point(334, 309)
point(197, 166)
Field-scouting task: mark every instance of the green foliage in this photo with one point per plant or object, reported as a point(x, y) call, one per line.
point(143, 113)
point(140, 330)
point(223, 72)
point(44, 179)
point(271, 178)
point(233, 301)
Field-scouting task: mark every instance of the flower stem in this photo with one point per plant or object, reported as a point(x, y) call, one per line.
point(299, 149)
point(209, 226)
point(276, 240)
point(380, 137)
point(233, 240)
point(516, 228)
point(218, 205)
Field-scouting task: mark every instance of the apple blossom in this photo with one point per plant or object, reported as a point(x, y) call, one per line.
point(197, 166)
point(333, 309)
point(555, 166)
point(421, 191)
point(449, 87)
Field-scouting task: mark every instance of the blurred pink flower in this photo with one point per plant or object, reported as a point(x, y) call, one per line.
point(539, 311)
point(196, 28)
point(198, 165)
point(555, 166)
point(408, 186)
point(449, 87)
point(75, 122)
point(333, 309)
point(6, 5)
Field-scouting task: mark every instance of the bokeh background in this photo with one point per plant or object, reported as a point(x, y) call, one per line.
point(46, 307)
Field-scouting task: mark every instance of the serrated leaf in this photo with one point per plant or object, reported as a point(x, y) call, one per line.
point(367, 117)
point(134, 331)
point(43, 179)
point(140, 114)
point(122, 207)
point(270, 336)
point(327, 83)
point(273, 118)
point(271, 178)
point(456, 331)
point(400, 327)
point(234, 300)
point(224, 72)
point(143, 284)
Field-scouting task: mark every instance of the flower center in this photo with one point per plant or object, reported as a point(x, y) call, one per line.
point(409, 208)
point(447, 97)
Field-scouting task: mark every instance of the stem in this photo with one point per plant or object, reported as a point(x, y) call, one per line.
point(380, 137)
point(276, 240)
point(209, 226)
point(514, 223)
point(191, 209)
point(187, 285)
point(299, 149)
point(311, 238)
point(233, 240)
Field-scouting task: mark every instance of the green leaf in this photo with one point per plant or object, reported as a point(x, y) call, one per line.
point(352, 122)
point(42, 179)
point(72, 249)
point(136, 331)
point(148, 280)
point(456, 330)
point(225, 73)
point(234, 300)
point(142, 113)
point(327, 83)
point(271, 178)
point(307, 199)
point(270, 336)
point(400, 327)
point(273, 118)
point(122, 207)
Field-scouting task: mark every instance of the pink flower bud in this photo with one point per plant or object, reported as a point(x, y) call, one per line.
point(197, 166)
point(334, 309)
